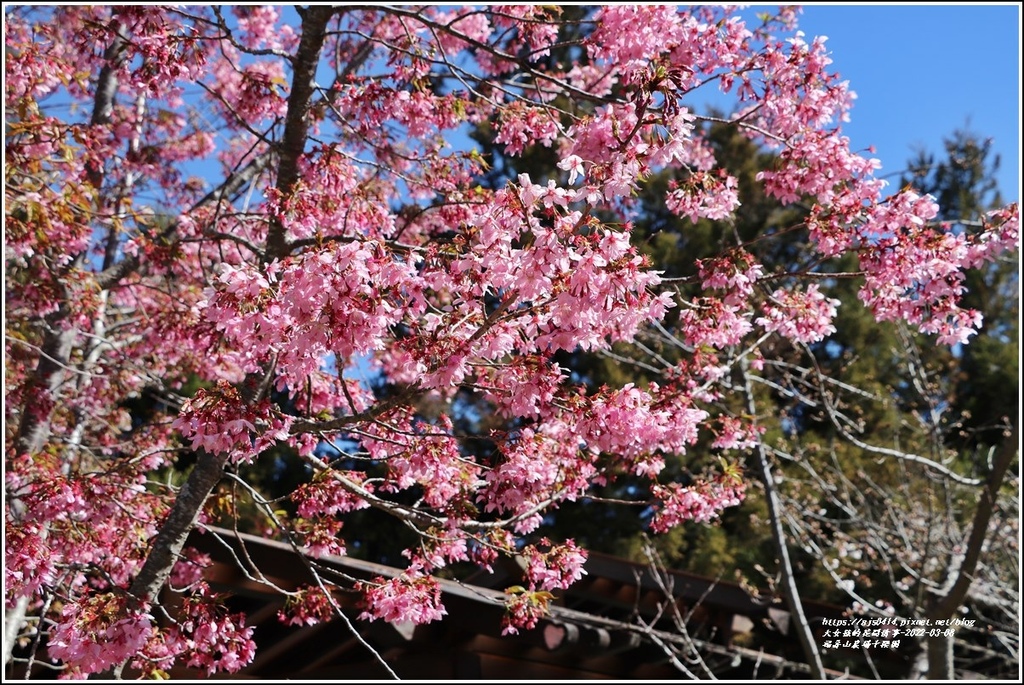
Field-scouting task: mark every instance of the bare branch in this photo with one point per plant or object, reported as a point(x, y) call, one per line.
point(792, 592)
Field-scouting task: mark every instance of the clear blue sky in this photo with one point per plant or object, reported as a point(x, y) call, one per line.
point(921, 71)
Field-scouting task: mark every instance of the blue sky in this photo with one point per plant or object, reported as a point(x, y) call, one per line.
point(921, 71)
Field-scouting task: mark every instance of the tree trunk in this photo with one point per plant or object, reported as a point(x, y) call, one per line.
point(792, 593)
point(945, 604)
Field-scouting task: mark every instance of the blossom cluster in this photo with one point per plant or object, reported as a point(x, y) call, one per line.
point(405, 598)
point(100, 632)
point(701, 502)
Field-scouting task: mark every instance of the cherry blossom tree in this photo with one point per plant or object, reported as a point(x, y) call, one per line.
point(875, 481)
point(249, 213)
point(926, 525)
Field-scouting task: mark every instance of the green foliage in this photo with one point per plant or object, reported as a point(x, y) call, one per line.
point(964, 183)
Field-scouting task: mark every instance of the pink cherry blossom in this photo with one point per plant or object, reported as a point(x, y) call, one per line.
point(308, 606)
point(99, 632)
point(211, 638)
point(558, 567)
point(800, 316)
point(574, 165)
point(524, 609)
point(700, 502)
point(416, 599)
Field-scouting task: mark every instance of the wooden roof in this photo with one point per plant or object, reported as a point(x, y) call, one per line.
point(592, 630)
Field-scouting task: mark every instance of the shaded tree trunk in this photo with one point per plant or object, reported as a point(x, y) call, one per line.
point(944, 605)
point(792, 593)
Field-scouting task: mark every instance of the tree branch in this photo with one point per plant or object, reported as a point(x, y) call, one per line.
point(232, 185)
point(168, 543)
point(209, 469)
point(943, 606)
point(792, 593)
point(885, 451)
point(296, 125)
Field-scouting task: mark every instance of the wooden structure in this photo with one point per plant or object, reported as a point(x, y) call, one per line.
point(615, 623)
point(594, 631)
